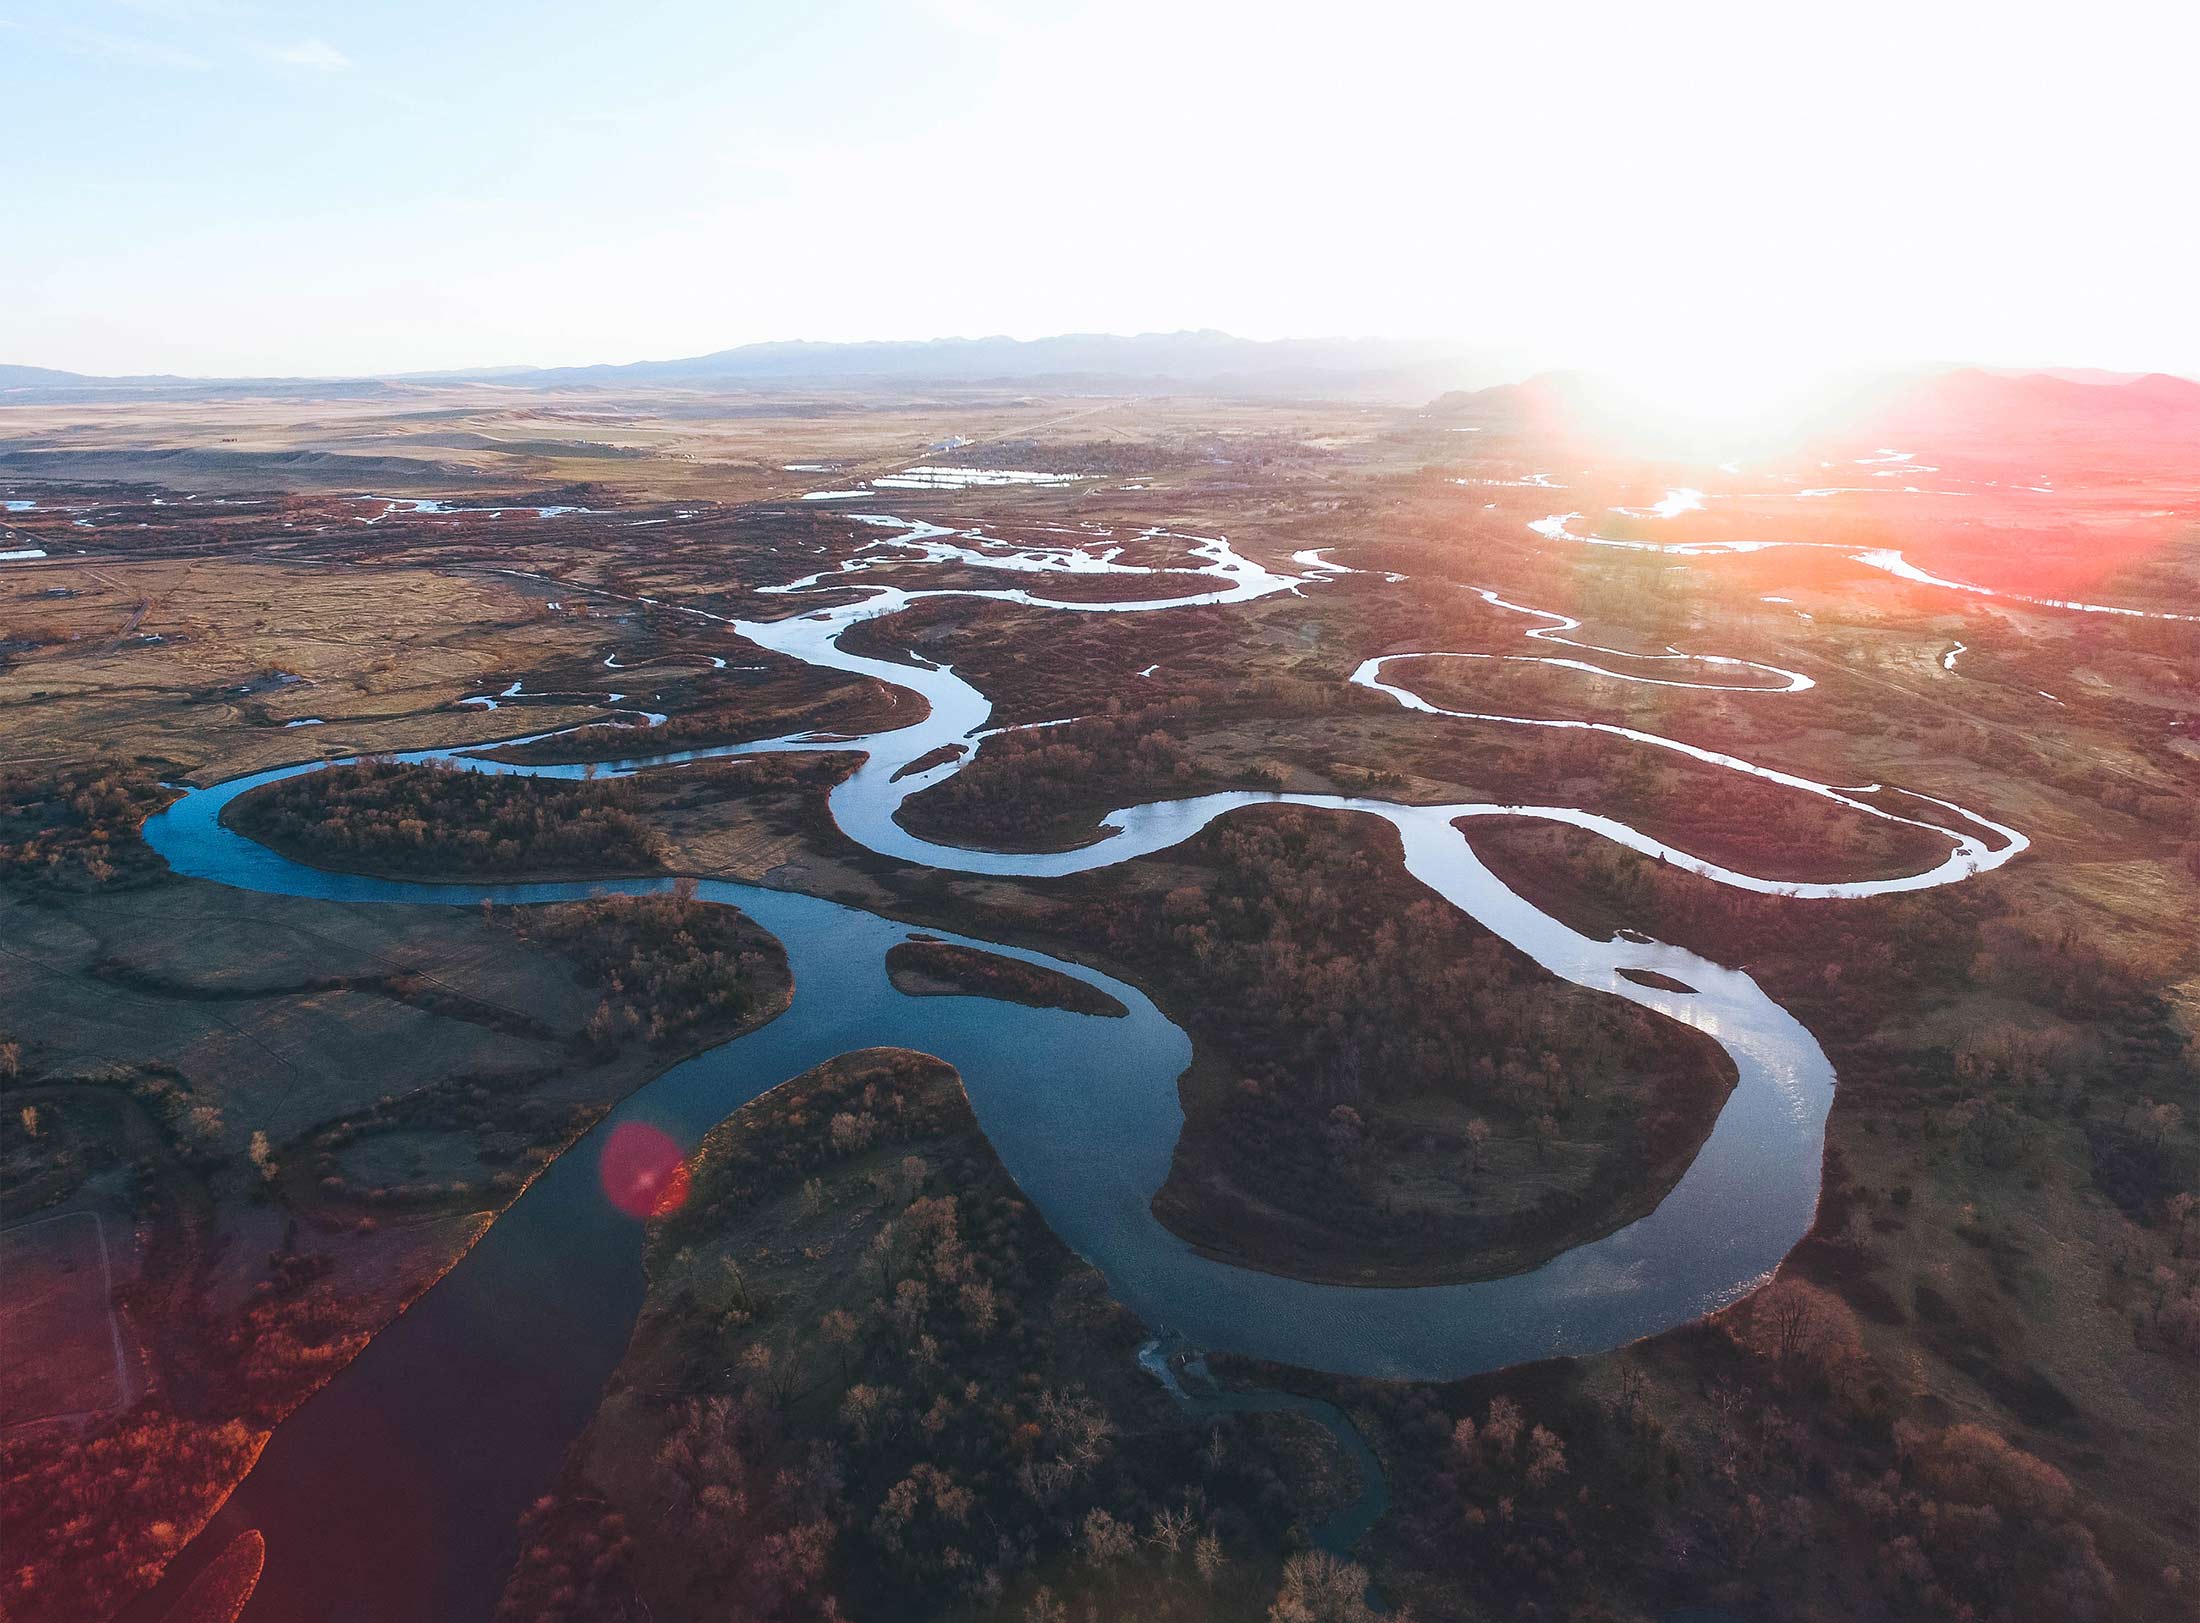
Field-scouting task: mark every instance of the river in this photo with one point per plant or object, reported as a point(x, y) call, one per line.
point(394, 1491)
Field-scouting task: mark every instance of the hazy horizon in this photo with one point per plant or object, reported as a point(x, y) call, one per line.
point(1511, 366)
point(223, 188)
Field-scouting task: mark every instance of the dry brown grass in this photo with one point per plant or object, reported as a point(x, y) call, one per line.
point(383, 654)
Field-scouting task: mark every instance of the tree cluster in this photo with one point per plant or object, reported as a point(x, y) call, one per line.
point(1022, 782)
point(93, 1521)
point(1790, 1472)
point(1340, 988)
point(432, 817)
point(77, 828)
point(669, 965)
point(930, 1448)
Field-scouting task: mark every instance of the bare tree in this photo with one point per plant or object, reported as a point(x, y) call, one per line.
point(1207, 1558)
point(1319, 1588)
point(1106, 1540)
point(1169, 1530)
point(839, 1327)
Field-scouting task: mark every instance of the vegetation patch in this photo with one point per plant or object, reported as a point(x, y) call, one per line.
point(784, 701)
point(1410, 1099)
point(219, 1593)
point(1764, 1465)
point(432, 817)
point(264, 1222)
point(1657, 979)
point(869, 1381)
point(671, 967)
point(77, 829)
point(1025, 789)
point(940, 969)
point(92, 1524)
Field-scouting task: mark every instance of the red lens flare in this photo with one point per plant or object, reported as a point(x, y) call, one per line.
point(642, 1170)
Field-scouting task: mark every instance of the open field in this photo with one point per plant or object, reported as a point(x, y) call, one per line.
point(60, 1291)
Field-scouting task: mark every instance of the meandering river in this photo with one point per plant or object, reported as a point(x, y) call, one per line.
point(395, 1490)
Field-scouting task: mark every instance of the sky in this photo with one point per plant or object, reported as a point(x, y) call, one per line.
point(373, 186)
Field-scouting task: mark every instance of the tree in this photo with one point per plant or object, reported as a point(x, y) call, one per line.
point(1319, 1588)
point(860, 1410)
point(1106, 1540)
point(1169, 1530)
point(880, 1254)
point(1803, 1329)
point(910, 1175)
point(979, 1306)
point(741, 1299)
point(839, 1327)
point(2163, 1120)
point(1630, 1389)
point(755, 1364)
point(1546, 1457)
point(1207, 1558)
point(200, 1129)
point(2180, 1209)
point(1501, 1431)
point(1977, 1466)
point(911, 1298)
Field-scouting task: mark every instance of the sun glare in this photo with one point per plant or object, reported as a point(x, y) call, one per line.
point(1719, 385)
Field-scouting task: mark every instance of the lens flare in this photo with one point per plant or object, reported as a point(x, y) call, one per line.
point(642, 1171)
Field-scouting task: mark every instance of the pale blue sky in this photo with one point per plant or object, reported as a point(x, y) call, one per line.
point(226, 186)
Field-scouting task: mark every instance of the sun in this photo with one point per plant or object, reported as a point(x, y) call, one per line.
point(1713, 392)
point(1733, 385)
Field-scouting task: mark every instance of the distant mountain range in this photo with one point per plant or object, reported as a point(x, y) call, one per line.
point(1983, 400)
point(1205, 361)
point(1465, 381)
